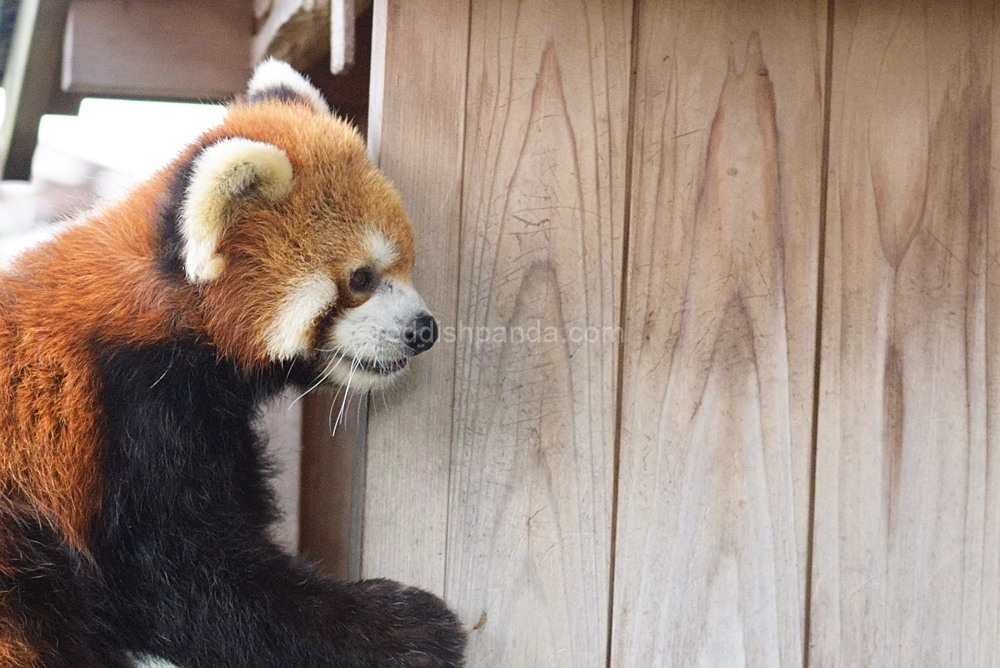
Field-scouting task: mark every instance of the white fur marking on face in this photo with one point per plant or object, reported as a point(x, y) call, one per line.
point(374, 332)
point(274, 74)
point(288, 335)
point(223, 171)
point(381, 250)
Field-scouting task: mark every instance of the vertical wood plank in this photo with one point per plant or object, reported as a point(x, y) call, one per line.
point(985, 636)
point(342, 15)
point(718, 369)
point(906, 495)
point(332, 490)
point(985, 469)
point(531, 498)
point(416, 132)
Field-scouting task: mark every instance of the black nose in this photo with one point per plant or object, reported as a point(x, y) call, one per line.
point(422, 334)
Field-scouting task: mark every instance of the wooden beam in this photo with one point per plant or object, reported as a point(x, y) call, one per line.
point(295, 31)
point(332, 490)
point(30, 78)
point(342, 15)
point(347, 92)
point(8, 15)
point(175, 49)
point(301, 32)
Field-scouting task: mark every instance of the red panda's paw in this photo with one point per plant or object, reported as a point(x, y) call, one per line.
point(415, 629)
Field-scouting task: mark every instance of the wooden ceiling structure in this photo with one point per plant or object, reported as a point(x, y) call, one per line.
point(55, 52)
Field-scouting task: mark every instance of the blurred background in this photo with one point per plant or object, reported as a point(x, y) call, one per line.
point(97, 154)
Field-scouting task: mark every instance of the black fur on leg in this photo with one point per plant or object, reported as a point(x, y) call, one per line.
point(182, 543)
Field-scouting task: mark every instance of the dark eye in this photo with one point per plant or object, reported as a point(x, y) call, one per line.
point(363, 280)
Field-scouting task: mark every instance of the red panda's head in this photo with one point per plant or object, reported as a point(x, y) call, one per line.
point(298, 247)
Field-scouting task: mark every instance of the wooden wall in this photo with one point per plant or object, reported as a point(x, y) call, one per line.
point(758, 423)
point(905, 568)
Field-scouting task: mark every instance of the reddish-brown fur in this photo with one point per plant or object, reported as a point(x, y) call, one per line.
point(98, 285)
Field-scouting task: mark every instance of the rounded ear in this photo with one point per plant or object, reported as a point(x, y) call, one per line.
point(223, 173)
point(276, 80)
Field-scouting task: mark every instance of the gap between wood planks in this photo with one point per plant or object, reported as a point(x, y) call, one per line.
point(622, 312)
point(818, 347)
point(457, 305)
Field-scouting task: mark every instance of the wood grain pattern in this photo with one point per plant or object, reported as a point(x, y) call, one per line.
point(415, 128)
point(720, 334)
point(712, 553)
point(905, 564)
point(531, 496)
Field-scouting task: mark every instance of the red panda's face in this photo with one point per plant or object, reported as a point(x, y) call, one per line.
point(299, 247)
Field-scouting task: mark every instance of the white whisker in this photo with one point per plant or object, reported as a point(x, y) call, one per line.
point(312, 387)
point(347, 389)
point(329, 417)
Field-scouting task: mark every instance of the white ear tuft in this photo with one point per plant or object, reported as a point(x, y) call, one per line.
point(276, 78)
point(225, 170)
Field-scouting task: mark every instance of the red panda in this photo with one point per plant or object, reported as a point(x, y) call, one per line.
point(137, 346)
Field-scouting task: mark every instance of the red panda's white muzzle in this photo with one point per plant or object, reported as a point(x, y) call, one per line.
point(369, 345)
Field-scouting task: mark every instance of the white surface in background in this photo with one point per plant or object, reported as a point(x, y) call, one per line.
point(12, 245)
point(18, 206)
point(130, 139)
point(282, 422)
point(99, 154)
